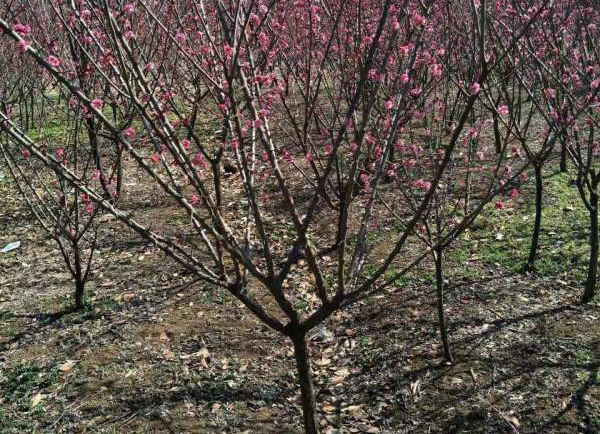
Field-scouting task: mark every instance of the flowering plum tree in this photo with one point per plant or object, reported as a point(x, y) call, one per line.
point(314, 114)
point(554, 80)
point(66, 215)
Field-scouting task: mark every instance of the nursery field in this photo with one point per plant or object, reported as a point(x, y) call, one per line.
point(307, 217)
point(155, 352)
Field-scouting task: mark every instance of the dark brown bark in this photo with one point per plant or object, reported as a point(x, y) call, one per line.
point(79, 287)
point(497, 136)
point(590, 283)
point(309, 404)
point(439, 285)
point(535, 236)
point(563, 155)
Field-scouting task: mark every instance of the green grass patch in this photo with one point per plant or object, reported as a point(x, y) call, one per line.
point(21, 382)
point(502, 237)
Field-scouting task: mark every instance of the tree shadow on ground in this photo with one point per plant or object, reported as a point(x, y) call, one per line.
point(505, 370)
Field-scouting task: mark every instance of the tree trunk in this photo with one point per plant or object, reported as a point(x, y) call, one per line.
point(590, 284)
point(497, 136)
point(535, 237)
point(439, 285)
point(563, 155)
point(79, 286)
point(119, 187)
point(309, 404)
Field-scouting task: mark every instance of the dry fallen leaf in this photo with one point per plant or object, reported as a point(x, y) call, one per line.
point(337, 380)
point(67, 366)
point(513, 419)
point(36, 399)
point(415, 387)
point(352, 409)
point(339, 376)
point(329, 408)
point(342, 372)
point(128, 297)
point(168, 354)
point(473, 375)
point(324, 361)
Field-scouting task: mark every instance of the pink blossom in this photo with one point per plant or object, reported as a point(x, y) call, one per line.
point(194, 200)
point(417, 20)
point(26, 153)
point(436, 70)
point(502, 110)
point(198, 160)
point(287, 156)
point(404, 78)
point(53, 61)
point(550, 93)
point(129, 133)
point(365, 181)
point(97, 104)
point(328, 148)
point(180, 37)
point(513, 193)
point(89, 208)
point(474, 89)
point(155, 158)
point(500, 205)
point(22, 29)
point(421, 184)
point(129, 8)
point(186, 143)
point(595, 84)
point(416, 91)
point(263, 39)
point(60, 154)
point(389, 104)
point(23, 46)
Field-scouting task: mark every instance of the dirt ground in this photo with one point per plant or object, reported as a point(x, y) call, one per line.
point(155, 352)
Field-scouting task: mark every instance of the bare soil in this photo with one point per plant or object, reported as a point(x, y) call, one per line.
point(155, 352)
